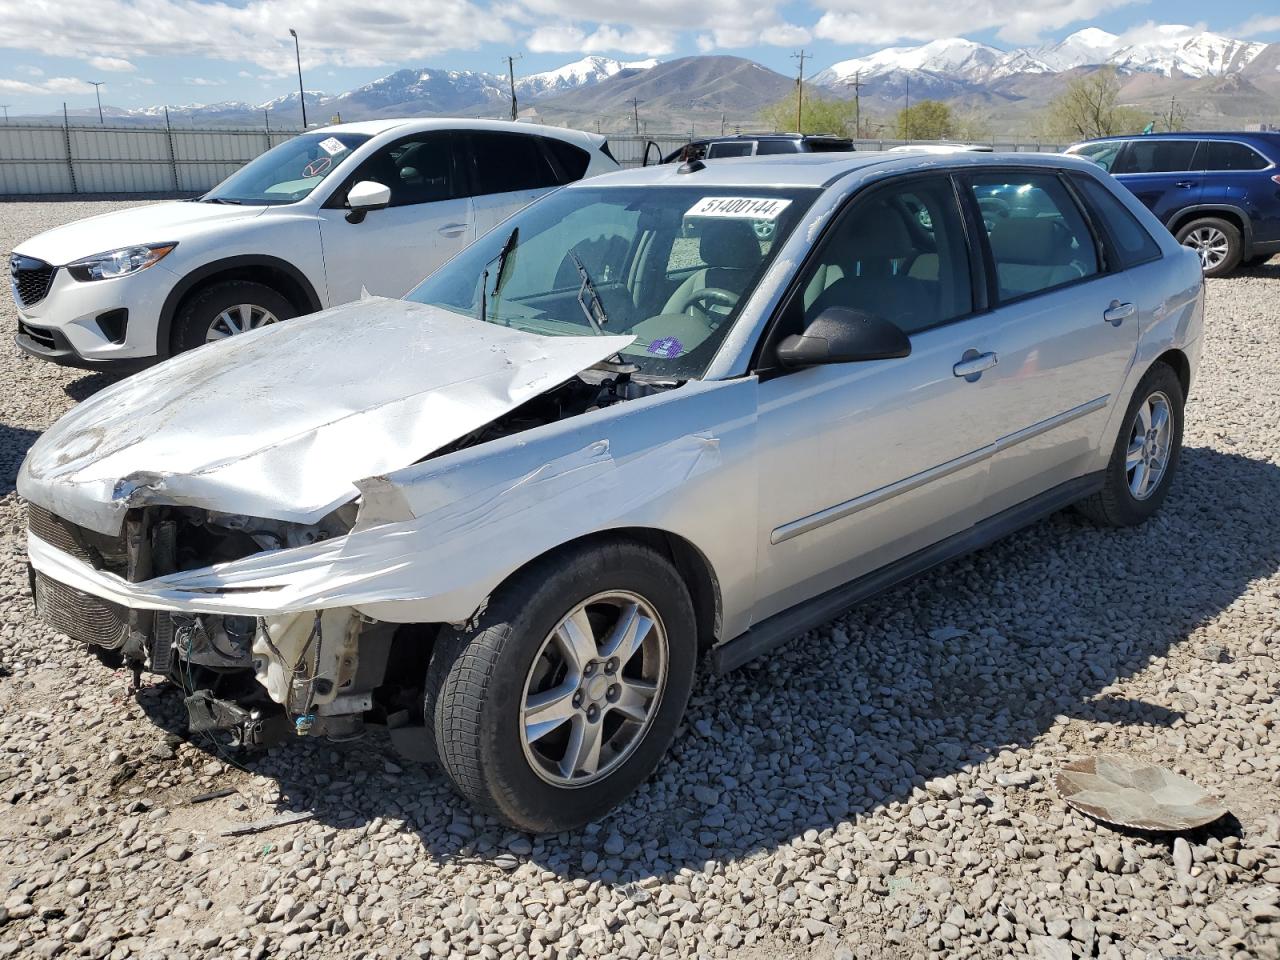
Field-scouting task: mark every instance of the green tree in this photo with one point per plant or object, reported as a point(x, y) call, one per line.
point(1090, 107)
point(926, 120)
point(820, 114)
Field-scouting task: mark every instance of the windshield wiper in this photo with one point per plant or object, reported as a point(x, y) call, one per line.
point(502, 257)
point(595, 311)
point(238, 203)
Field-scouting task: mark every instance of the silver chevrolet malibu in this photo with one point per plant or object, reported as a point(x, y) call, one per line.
point(662, 418)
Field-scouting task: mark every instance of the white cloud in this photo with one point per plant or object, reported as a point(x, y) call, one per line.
point(112, 64)
point(1015, 21)
point(1256, 25)
point(202, 82)
point(33, 71)
point(604, 39)
point(52, 85)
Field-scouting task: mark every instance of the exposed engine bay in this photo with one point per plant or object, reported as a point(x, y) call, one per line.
point(260, 678)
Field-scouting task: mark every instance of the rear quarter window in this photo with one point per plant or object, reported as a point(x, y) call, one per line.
point(570, 162)
point(1228, 155)
point(1134, 245)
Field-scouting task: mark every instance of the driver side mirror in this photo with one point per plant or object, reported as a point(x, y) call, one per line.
point(365, 196)
point(844, 335)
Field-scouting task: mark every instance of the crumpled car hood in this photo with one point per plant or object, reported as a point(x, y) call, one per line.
point(280, 422)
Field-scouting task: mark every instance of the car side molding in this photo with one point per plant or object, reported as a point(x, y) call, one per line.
point(790, 623)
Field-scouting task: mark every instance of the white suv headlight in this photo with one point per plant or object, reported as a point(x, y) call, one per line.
point(119, 263)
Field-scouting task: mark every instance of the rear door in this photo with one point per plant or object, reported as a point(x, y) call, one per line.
point(508, 171)
point(1161, 173)
point(1234, 171)
point(428, 221)
point(1064, 332)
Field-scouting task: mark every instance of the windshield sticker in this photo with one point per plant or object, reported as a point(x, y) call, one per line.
point(667, 347)
point(744, 208)
point(332, 146)
point(316, 167)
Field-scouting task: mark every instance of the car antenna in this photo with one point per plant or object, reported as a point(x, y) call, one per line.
point(691, 166)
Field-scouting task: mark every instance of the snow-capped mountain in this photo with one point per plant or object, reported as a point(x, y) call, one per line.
point(580, 73)
point(1168, 49)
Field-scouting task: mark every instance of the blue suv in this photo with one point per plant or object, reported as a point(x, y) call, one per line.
point(1218, 193)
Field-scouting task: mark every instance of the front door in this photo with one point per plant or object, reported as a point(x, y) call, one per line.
point(428, 221)
point(865, 463)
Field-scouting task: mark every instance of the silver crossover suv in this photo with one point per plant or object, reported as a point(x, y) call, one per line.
point(663, 417)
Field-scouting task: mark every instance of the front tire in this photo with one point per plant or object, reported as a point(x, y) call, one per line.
point(567, 692)
point(1217, 241)
point(1146, 455)
point(226, 309)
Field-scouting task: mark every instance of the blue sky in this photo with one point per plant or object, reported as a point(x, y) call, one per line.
point(203, 51)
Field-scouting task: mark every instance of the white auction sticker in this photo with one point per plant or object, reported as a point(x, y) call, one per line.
point(745, 208)
point(332, 146)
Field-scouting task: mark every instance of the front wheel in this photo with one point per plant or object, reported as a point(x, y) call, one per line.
point(1146, 454)
point(1217, 241)
point(565, 695)
point(227, 309)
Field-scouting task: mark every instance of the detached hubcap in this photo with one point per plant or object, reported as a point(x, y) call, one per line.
point(1210, 243)
point(1150, 443)
point(238, 319)
point(594, 689)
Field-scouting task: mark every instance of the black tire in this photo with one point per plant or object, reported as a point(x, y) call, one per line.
point(1235, 244)
point(476, 684)
point(198, 311)
point(1115, 504)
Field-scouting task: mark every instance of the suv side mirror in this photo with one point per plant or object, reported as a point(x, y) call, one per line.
point(844, 335)
point(365, 196)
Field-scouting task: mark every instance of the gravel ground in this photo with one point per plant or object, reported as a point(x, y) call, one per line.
point(890, 796)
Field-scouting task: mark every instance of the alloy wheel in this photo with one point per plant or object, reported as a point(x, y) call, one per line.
point(1150, 445)
point(238, 319)
point(594, 689)
point(1210, 243)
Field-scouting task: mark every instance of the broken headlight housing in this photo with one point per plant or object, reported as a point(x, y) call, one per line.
point(119, 263)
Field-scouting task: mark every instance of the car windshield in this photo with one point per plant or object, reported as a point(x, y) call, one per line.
point(672, 266)
point(287, 173)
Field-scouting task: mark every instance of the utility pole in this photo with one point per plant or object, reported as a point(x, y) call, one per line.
point(1173, 100)
point(5, 108)
point(97, 84)
point(635, 112)
point(511, 76)
point(906, 114)
point(302, 94)
point(856, 83)
point(800, 56)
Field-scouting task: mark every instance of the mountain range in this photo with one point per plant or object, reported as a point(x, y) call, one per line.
point(1220, 80)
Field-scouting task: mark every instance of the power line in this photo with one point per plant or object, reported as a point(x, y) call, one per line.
point(511, 76)
point(801, 55)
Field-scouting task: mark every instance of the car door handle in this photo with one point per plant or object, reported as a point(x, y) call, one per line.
point(1118, 312)
point(973, 363)
point(453, 229)
point(1185, 184)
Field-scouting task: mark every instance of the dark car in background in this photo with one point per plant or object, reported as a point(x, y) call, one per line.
point(759, 144)
point(1218, 193)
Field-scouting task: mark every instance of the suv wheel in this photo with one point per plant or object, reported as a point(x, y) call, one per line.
point(565, 695)
point(1146, 453)
point(1217, 242)
point(224, 310)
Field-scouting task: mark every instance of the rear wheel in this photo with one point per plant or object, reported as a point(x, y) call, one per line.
point(1146, 454)
point(1217, 242)
point(227, 309)
point(565, 695)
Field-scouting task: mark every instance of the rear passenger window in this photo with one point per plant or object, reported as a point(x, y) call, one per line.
point(777, 146)
point(1156, 156)
point(1038, 237)
point(572, 161)
point(1225, 155)
point(1135, 244)
point(507, 162)
point(735, 149)
point(899, 254)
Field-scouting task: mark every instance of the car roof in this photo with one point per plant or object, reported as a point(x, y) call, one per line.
point(424, 124)
point(1265, 136)
point(817, 169)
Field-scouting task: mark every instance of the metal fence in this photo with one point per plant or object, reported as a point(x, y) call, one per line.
point(90, 159)
point(53, 158)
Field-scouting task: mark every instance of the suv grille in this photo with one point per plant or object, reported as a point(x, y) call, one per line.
point(31, 279)
point(80, 615)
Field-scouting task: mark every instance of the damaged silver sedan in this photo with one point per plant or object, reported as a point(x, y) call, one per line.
point(667, 417)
